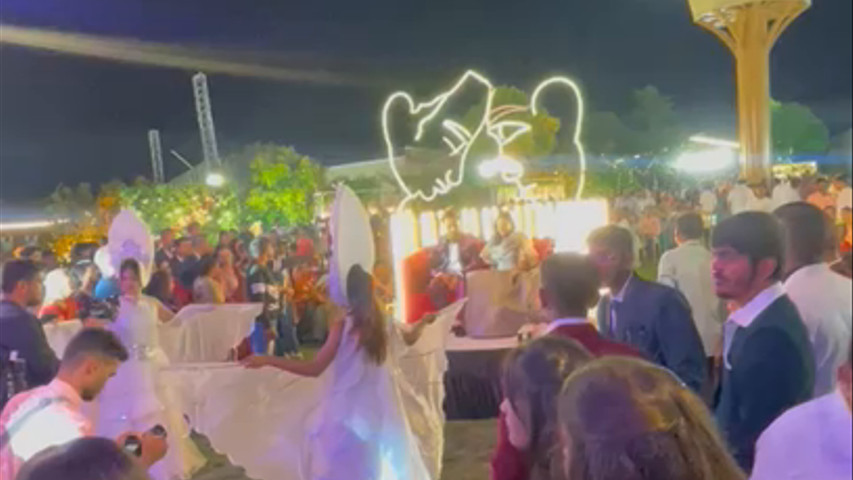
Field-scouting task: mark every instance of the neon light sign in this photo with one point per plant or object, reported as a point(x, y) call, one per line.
point(459, 139)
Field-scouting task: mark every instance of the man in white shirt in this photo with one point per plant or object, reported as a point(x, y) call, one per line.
point(687, 268)
point(811, 441)
point(708, 200)
point(51, 415)
point(784, 193)
point(739, 197)
point(759, 201)
point(823, 297)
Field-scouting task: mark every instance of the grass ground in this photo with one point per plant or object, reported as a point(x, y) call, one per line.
point(467, 447)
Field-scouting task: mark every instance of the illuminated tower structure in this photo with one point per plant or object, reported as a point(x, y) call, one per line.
point(750, 28)
point(206, 129)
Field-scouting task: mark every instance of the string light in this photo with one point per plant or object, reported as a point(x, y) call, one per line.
point(460, 139)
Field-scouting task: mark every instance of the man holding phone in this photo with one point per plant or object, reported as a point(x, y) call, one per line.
point(51, 415)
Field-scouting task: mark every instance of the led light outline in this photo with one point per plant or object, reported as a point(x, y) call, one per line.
point(494, 129)
point(576, 138)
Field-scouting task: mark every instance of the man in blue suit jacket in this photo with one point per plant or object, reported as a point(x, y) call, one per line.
point(651, 317)
point(768, 366)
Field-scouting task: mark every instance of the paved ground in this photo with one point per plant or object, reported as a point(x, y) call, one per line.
point(466, 454)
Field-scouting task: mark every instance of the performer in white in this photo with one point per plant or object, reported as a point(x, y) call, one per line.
point(138, 397)
point(361, 430)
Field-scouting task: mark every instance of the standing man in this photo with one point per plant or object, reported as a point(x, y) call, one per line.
point(20, 330)
point(767, 361)
point(687, 269)
point(820, 196)
point(784, 192)
point(708, 200)
point(812, 440)
point(823, 297)
point(263, 288)
point(653, 318)
point(739, 197)
point(163, 256)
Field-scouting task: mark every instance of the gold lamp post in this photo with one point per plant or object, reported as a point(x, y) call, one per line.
point(749, 28)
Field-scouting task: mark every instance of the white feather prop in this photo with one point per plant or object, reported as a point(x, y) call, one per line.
point(352, 242)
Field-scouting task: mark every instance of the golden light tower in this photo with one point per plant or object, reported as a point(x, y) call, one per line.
point(749, 28)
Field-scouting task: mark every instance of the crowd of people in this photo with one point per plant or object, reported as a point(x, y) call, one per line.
point(734, 363)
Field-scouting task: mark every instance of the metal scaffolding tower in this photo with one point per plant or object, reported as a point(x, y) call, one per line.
point(156, 156)
point(205, 122)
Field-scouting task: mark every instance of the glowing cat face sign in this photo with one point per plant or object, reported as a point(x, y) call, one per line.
point(433, 114)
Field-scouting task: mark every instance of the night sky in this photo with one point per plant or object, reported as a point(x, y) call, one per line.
point(70, 119)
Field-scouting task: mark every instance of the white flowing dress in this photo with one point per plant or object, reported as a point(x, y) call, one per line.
point(139, 397)
point(361, 430)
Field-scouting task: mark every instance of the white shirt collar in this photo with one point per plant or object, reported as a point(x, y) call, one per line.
point(745, 315)
point(621, 295)
point(562, 322)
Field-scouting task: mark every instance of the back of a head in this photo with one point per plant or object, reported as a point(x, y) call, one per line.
point(88, 458)
point(757, 235)
point(94, 341)
point(628, 419)
point(690, 226)
point(613, 237)
point(806, 230)
point(570, 281)
point(366, 314)
point(15, 271)
point(532, 377)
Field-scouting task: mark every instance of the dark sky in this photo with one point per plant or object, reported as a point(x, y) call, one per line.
point(70, 119)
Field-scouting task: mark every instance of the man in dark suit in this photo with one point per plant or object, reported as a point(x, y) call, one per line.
point(20, 330)
point(651, 317)
point(768, 366)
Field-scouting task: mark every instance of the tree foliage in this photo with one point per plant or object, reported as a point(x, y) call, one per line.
point(283, 187)
point(650, 127)
point(796, 130)
point(175, 206)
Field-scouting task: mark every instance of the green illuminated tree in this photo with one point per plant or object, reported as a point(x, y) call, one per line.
point(796, 130)
point(282, 189)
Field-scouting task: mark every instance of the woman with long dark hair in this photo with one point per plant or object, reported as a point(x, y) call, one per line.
point(360, 427)
point(626, 419)
point(532, 378)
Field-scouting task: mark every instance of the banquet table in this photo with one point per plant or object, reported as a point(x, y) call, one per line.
point(473, 378)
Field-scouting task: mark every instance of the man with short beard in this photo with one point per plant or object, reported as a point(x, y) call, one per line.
point(21, 331)
point(51, 414)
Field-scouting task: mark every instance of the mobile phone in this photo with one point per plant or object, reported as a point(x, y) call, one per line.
point(133, 445)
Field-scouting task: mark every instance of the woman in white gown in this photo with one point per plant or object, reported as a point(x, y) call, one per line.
point(360, 430)
point(138, 398)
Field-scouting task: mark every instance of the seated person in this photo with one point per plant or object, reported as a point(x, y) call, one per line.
point(509, 250)
point(455, 254)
